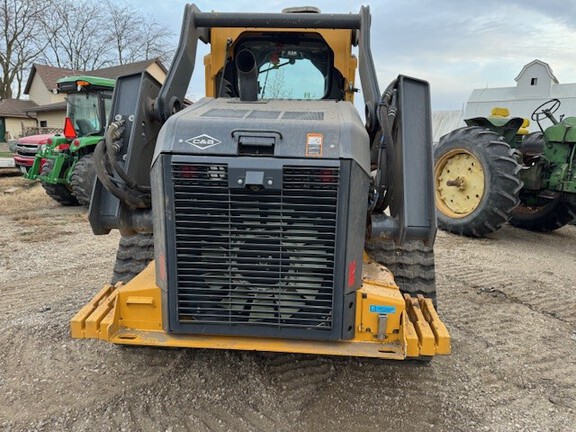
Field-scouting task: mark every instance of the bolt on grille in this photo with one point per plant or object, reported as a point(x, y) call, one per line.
point(261, 258)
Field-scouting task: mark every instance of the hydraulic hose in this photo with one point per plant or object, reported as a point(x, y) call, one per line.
point(386, 111)
point(129, 192)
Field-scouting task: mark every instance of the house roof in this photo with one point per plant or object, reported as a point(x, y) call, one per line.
point(15, 108)
point(126, 69)
point(540, 62)
point(51, 74)
point(499, 94)
point(58, 106)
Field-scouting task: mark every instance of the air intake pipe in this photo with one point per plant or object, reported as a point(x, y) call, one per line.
point(247, 76)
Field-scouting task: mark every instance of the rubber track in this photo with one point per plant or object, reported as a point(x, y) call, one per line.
point(133, 255)
point(412, 265)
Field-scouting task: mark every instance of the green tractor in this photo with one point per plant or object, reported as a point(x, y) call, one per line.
point(65, 165)
point(492, 171)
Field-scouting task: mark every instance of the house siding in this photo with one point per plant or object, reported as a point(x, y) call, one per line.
point(15, 126)
point(54, 119)
point(40, 94)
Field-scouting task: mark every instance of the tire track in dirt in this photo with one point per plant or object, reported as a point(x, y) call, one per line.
point(540, 294)
point(503, 390)
point(298, 379)
point(236, 381)
point(504, 298)
point(77, 375)
point(497, 326)
point(207, 390)
point(39, 293)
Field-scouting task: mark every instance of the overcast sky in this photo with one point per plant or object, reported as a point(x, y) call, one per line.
point(457, 45)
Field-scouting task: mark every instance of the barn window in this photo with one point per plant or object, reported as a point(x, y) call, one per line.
point(534, 81)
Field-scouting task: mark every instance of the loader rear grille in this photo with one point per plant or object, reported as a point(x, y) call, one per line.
point(255, 258)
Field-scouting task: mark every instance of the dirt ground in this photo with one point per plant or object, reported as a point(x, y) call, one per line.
point(509, 302)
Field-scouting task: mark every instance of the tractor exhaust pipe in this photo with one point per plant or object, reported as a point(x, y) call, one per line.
point(247, 76)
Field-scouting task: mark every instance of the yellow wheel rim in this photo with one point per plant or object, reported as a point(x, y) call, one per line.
point(459, 183)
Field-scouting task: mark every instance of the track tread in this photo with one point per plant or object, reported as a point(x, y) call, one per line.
point(134, 254)
point(412, 265)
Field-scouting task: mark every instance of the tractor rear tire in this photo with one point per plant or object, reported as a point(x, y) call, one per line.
point(476, 181)
point(58, 192)
point(545, 218)
point(134, 253)
point(83, 178)
point(411, 264)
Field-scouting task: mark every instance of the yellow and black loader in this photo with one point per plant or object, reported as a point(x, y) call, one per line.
point(273, 205)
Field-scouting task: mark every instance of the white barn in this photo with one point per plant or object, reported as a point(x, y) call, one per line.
point(535, 84)
point(444, 122)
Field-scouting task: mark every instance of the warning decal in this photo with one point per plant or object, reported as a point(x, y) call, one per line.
point(314, 143)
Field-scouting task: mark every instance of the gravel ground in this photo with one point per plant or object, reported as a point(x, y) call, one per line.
point(509, 302)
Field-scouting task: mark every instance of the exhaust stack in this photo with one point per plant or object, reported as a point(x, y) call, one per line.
point(247, 76)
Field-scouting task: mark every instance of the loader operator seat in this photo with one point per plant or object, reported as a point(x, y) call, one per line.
point(289, 67)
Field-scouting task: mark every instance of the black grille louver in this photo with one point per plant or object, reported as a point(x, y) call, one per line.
point(256, 258)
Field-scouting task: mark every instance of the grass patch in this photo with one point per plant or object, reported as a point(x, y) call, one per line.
point(5, 154)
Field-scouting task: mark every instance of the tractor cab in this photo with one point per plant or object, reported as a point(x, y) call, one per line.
point(89, 100)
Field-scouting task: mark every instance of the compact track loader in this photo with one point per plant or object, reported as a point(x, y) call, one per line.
point(263, 196)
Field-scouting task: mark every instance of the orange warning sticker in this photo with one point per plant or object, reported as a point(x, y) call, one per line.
point(314, 143)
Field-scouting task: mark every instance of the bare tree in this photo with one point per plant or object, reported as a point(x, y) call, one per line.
point(76, 36)
point(133, 36)
point(123, 31)
point(90, 34)
point(275, 85)
point(155, 41)
point(80, 35)
point(21, 24)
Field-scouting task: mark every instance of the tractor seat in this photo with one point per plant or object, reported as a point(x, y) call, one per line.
point(500, 112)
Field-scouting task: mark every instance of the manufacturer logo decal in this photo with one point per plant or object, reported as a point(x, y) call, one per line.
point(203, 141)
point(383, 309)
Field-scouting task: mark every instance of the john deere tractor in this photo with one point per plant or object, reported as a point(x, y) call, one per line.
point(65, 165)
point(493, 171)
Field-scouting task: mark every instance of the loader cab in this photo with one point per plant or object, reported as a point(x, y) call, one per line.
point(295, 64)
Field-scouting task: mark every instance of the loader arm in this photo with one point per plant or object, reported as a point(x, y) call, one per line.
point(119, 200)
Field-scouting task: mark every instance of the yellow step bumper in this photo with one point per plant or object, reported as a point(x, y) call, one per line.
point(388, 325)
